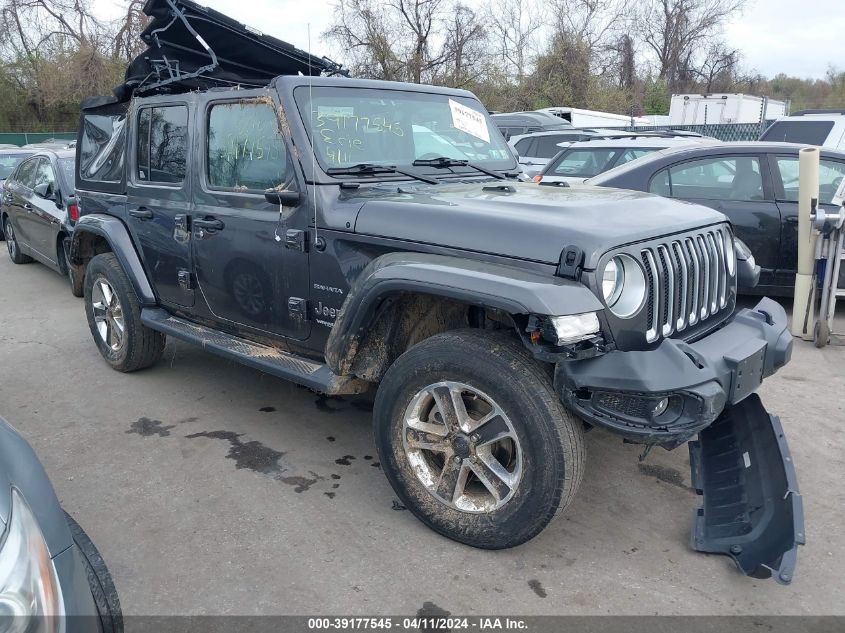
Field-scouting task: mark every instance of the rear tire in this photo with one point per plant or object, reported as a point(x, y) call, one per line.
point(12, 245)
point(493, 484)
point(114, 317)
point(99, 580)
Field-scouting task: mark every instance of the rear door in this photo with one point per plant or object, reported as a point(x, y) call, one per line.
point(17, 204)
point(159, 196)
point(250, 256)
point(785, 177)
point(738, 186)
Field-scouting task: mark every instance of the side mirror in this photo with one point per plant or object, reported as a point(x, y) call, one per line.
point(285, 198)
point(45, 190)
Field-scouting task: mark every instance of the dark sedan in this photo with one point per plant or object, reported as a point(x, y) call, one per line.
point(10, 157)
point(39, 210)
point(754, 184)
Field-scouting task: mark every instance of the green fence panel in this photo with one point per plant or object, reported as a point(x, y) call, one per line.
point(24, 138)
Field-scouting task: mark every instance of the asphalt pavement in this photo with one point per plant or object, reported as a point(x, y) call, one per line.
point(211, 488)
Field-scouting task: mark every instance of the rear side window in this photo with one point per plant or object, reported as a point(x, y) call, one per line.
point(584, 163)
point(162, 144)
point(246, 151)
point(102, 147)
point(547, 145)
point(809, 132)
point(632, 154)
point(721, 178)
point(8, 162)
point(523, 146)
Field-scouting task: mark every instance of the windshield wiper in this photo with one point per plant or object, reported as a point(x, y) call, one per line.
point(371, 169)
point(442, 162)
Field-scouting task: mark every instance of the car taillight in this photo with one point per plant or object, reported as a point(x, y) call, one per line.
point(537, 178)
point(73, 212)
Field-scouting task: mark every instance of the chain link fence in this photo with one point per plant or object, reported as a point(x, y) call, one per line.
point(721, 131)
point(25, 138)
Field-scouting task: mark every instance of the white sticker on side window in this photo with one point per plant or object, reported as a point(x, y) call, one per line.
point(470, 121)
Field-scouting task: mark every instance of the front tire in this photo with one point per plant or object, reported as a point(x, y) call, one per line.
point(114, 317)
point(99, 580)
point(12, 245)
point(474, 440)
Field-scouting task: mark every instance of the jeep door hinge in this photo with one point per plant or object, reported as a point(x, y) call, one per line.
point(298, 309)
point(186, 282)
point(296, 240)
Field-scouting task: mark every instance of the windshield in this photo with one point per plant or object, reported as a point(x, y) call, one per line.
point(351, 126)
point(68, 167)
point(8, 162)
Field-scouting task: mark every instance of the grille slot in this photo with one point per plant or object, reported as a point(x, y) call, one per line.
point(688, 281)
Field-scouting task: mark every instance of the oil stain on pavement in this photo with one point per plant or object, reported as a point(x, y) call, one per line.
point(537, 587)
point(666, 475)
point(249, 455)
point(145, 427)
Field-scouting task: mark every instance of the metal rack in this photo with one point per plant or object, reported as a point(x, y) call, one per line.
point(829, 249)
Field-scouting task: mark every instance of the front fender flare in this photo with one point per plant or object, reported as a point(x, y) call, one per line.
point(507, 288)
point(117, 235)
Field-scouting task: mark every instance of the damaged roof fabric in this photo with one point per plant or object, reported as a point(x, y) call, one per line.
point(191, 47)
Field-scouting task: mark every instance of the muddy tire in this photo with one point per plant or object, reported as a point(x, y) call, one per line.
point(12, 245)
point(474, 440)
point(99, 580)
point(114, 317)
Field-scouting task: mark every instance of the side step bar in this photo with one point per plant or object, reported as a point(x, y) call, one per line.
point(271, 360)
point(752, 510)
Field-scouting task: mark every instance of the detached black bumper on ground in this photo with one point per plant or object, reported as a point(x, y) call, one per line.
point(752, 509)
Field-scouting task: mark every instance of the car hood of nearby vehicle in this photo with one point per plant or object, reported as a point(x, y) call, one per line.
point(20, 468)
point(526, 221)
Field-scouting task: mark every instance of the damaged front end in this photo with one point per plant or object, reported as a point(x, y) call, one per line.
point(752, 510)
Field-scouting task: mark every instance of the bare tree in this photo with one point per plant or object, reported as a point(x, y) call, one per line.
point(514, 26)
point(368, 37)
point(597, 24)
point(677, 31)
point(464, 50)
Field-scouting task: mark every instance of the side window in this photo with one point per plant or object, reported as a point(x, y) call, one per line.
point(547, 145)
point(831, 173)
point(25, 175)
point(102, 147)
point(44, 174)
point(162, 144)
point(632, 154)
point(736, 178)
point(584, 163)
point(246, 151)
point(660, 184)
point(523, 146)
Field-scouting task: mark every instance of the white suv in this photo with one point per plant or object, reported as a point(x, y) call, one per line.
point(824, 128)
point(579, 161)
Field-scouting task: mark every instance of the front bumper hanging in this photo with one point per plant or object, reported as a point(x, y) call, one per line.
point(752, 510)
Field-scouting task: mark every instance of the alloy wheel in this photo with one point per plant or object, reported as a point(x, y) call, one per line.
point(11, 244)
point(462, 447)
point(108, 314)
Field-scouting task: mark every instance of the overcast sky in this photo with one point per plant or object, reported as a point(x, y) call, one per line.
point(798, 38)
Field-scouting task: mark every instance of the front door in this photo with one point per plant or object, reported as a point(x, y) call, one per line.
point(46, 214)
point(18, 203)
point(250, 257)
point(785, 173)
point(159, 198)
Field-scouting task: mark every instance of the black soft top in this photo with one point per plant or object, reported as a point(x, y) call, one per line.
point(191, 47)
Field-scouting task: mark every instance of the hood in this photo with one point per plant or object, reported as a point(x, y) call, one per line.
point(528, 222)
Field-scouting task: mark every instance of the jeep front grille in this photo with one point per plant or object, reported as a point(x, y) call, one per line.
point(688, 280)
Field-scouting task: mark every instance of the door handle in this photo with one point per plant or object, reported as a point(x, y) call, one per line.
point(210, 224)
point(28, 208)
point(792, 219)
point(142, 213)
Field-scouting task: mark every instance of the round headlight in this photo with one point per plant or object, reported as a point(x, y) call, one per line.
point(624, 286)
point(612, 281)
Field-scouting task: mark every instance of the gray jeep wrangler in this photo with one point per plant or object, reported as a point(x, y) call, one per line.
point(349, 234)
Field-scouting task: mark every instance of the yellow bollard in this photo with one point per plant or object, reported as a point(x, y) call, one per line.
point(808, 183)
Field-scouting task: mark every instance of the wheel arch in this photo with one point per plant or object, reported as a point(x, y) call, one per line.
point(98, 233)
point(402, 298)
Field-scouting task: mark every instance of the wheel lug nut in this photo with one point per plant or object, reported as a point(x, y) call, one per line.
point(457, 459)
point(475, 437)
point(473, 459)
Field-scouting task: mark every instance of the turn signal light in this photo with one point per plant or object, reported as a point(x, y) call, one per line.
point(537, 178)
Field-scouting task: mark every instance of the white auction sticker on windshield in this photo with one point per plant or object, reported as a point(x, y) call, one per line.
point(470, 121)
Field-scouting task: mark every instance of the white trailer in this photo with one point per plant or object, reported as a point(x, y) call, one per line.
point(692, 109)
point(594, 118)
